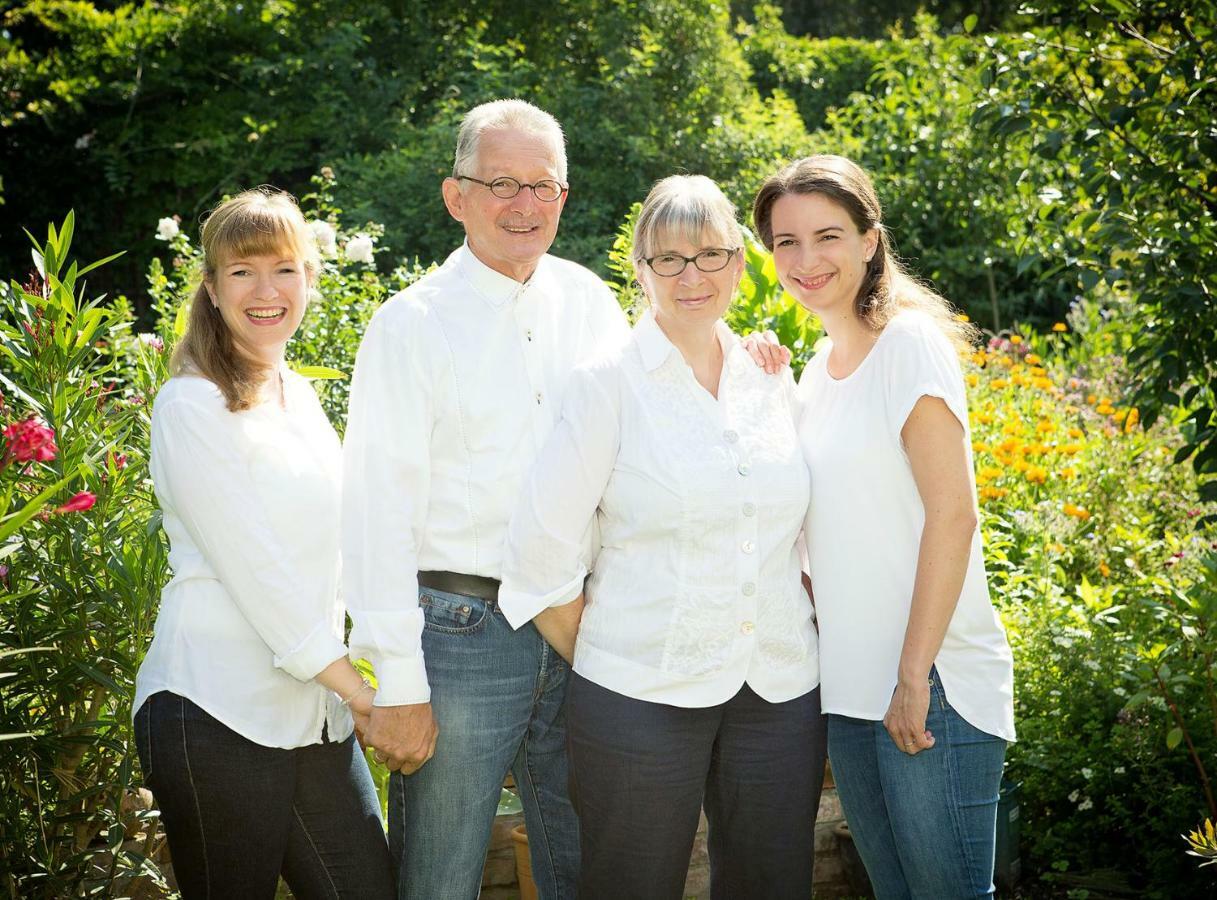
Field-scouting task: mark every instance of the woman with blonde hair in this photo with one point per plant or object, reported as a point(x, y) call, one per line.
point(695, 676)
point(917, 675)
point(244, 702)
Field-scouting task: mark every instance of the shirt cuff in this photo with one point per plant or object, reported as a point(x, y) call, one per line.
point(400, 681)
point(520, 607)
point(313, 654)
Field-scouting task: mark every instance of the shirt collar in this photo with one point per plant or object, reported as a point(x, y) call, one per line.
point(495, 287)
point(655, 347)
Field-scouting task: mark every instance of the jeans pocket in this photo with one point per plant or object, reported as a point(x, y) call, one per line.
point(452, 613)
point(938, 696)
point(143, 739)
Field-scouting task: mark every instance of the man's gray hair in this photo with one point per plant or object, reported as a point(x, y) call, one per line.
point(519, 115)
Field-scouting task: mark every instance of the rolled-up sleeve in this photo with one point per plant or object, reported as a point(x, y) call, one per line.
point(546, 556)
point(386, 486)
point(211, 487)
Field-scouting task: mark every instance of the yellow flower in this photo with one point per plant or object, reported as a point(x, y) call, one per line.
point(1068, 472)
point(985, 418)
point(1071, 449)
point(1075, 432)
point(980, 447)
point(1091, 398)
point(1015, 339)
point(1133, 418)
point(1036, 474)
point(1077, 512)
point(1043, 426)
point(1059, 327)
point(999, 383)
point(993, 493)
point(973, 380)
point(1043, 384)
point(1005, 361)
point(963, 317)
point(1104, 409)
point(1032, 360)
point(989, 473)
point(1039, 371)
point(1104, 569)
point(1119, 415)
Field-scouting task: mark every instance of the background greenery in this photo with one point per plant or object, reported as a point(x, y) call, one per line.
point(1039, 166)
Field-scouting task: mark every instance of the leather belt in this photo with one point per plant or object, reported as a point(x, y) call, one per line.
point(457, 583)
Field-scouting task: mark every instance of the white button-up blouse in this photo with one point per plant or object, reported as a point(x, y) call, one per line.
point(695, 588)
point(250, 503)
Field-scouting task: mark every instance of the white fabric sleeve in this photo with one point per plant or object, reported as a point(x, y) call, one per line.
point(386, 486)
point(609, 326)
point(212, 489)
point(923, 363)
point(545, 559)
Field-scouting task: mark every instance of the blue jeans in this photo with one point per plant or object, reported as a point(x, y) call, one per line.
point(924, 825)
point(238, 814)
point(497, 696)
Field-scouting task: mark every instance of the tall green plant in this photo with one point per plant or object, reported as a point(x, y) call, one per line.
point(82, 577)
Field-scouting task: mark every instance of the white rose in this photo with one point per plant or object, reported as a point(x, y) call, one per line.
point(359, 248)
point(167, 229)
point(326, 237)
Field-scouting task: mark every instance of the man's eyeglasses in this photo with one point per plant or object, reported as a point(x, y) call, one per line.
point(546, 190)
point(712, 259)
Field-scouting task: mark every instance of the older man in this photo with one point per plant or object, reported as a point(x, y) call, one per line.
point(457, 385)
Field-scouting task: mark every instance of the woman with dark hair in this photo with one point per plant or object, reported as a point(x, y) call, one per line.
point(916, 673)
point(244, 702)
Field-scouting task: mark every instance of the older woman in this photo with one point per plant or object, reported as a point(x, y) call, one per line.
point(695, 665)
point(917, 674)
point(242, 724)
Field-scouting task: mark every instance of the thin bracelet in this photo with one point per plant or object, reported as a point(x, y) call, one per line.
point(366, 686)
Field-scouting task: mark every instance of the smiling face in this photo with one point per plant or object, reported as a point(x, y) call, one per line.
point(693, 298)
point(262, 299)
point(819, 253)
point(509, 236)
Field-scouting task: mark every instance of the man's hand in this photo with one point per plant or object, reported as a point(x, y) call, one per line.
point(766, 352)
point(559, 625)
point(404, 735)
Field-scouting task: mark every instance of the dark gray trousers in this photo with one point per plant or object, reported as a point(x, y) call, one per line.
point(641, 772)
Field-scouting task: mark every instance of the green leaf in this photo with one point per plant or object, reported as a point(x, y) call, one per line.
point(969, 22)
point(319, 372)
point(1174, 738)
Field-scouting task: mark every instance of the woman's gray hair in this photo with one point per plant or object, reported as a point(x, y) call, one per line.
point(518, 115)
point(688, 206)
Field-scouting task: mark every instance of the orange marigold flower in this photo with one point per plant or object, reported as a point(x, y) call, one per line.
point(1120, 414)
point(1091, 399)
point(993, 493)
point(1075, 432)
point(1043, 426)
point(1032, 359)
point(1104, 570)
point(1077, 512)
point(1036, 474)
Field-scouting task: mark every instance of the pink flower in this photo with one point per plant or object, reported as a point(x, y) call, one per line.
point(119, 460)
point(29, 441)
point(79, 503)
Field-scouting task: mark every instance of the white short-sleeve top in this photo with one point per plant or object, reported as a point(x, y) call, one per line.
point(863, 532)
point(250, 503)
point(698, 501)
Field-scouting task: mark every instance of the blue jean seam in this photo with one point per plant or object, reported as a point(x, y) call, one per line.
point(195, 794)
point(532, 779)
point(313, 845)
point(961, 841)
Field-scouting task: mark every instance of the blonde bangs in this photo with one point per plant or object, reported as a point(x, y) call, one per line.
point(267, 224)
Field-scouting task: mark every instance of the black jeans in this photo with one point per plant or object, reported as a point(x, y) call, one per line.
point(640, 772)
point(237, 814)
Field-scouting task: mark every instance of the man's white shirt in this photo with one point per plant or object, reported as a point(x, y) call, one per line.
point(458, 384)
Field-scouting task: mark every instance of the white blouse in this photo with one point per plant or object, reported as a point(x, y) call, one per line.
point(864, 527)
point(250, 502)
point(698, 505)
point(458, 383)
